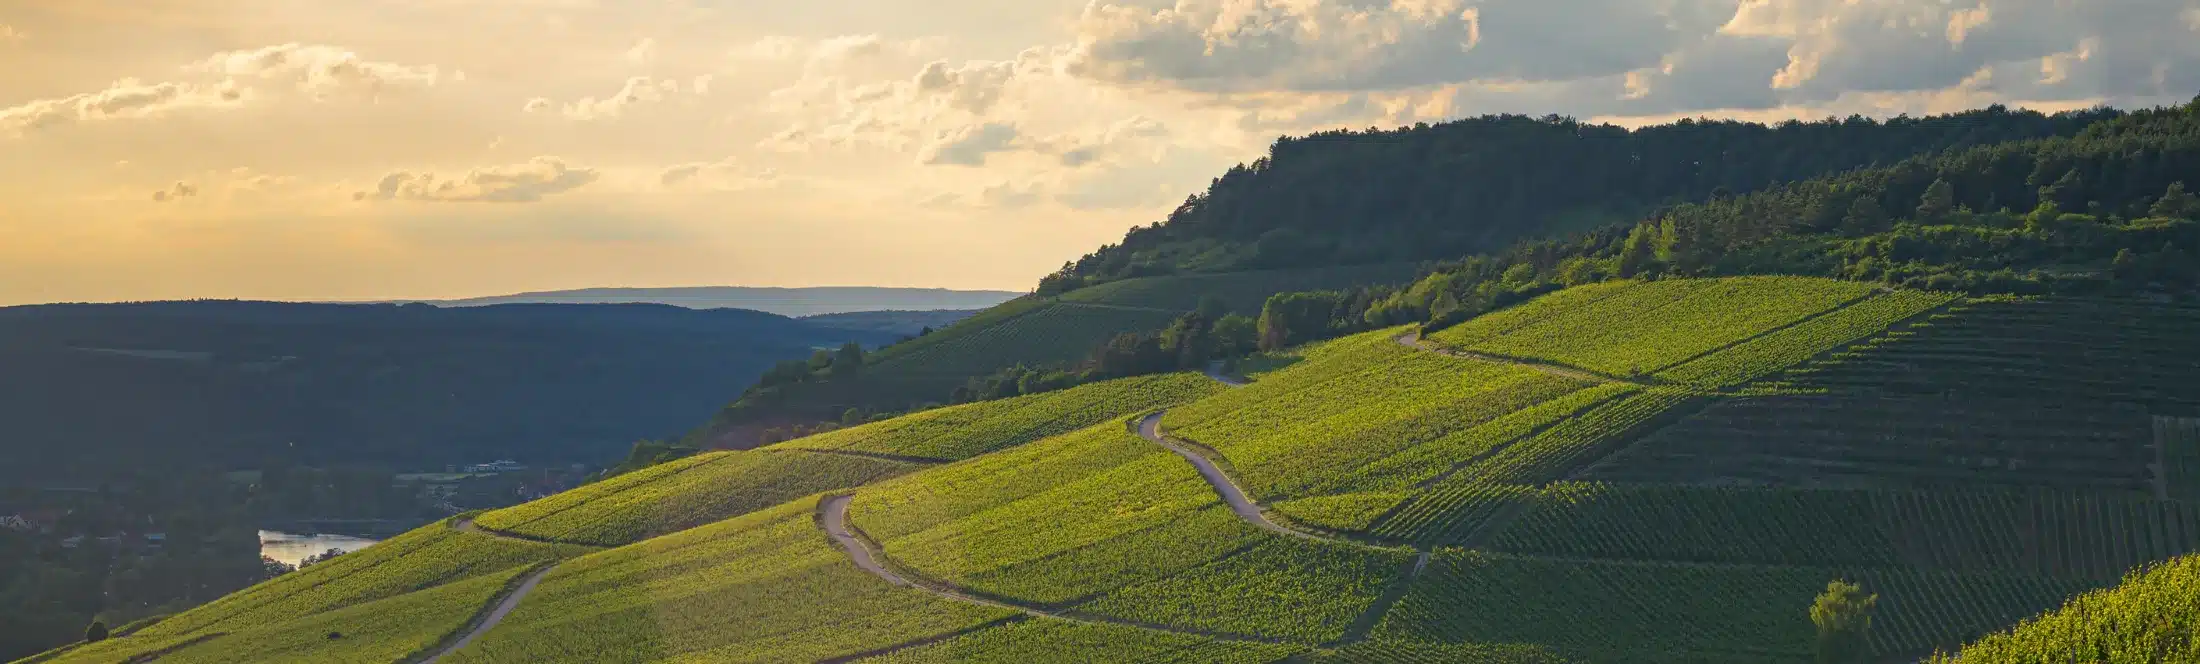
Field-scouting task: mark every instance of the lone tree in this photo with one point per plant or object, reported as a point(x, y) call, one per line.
point(95, 632)
point(1844, 617)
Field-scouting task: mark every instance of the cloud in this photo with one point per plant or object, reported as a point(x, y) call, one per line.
point(9, 34)
point(968, 145)
point(175, 192)
point(637, 91)
point(1009, 194)
point(643, 52)
point(124, 99)
point(320, 70)
point(723, 175)
point(1316, 45)
point(1080, 151)
point(973, 87)
point(517, 183)
point(828, 51)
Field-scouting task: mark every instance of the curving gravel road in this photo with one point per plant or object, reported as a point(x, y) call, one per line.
point(504, 608)
point(1150, 429)
point(833, 515)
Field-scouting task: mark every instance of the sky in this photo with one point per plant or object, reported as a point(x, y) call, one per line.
point(364, 149)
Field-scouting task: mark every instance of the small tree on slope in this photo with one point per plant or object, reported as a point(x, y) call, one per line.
point(1843, 614)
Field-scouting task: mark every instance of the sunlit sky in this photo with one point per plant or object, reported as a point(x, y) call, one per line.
point(355, 149)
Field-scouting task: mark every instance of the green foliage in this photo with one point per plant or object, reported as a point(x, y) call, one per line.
point(385, 630)
point(1448, 513)
point(646, 453)
point(1345, 197)
point(432, 556)
point(2080, 535)
point(1235, 292)
point(1362, 413)
point(2004, 392)
point(1649, 327)
point(1687, 613)
point(1782, 348)
point(1843, 614)
point(763, 587)
point(1570, 444)
point(1058, 520)
point(725, 485)
point(969, 430)
point(1407, 652)
point(1027, 641)
point(2152, 617)
point(1287, 587)
point(1348, 512)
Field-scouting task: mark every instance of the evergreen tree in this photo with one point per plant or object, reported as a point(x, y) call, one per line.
point(95, 632)
point(1938, 201)
point(2176, 203)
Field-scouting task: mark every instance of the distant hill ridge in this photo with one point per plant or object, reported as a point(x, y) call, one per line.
point(782, 301)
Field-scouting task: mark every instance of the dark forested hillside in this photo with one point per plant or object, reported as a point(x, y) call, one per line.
point(1452, 189)
point(240, 384)
point(2108, 211)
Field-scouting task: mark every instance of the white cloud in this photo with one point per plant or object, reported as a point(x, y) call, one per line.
point(643, 52)
point(727, 174)
point(2055, 68)
point(968, 145)
point(517, 183)
point(1310, 45)
point(124, 99)
point(9, 34)
point(319, 69)
point(637, 91)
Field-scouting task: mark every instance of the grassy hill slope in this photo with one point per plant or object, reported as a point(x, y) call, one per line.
point(1032, 331)
point(1550, 482)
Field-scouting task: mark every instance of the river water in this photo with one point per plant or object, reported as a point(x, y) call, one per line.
point(291, 547)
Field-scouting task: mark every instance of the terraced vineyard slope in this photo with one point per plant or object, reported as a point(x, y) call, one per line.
point(1038, 332)
point(1665, 471)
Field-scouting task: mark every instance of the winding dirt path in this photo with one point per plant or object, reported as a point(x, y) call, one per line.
point(496, 615)
point(832, 516)
point(1150, 429)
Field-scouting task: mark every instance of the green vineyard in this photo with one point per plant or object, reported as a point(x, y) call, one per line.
point(1633, 471)
point(968, 430)
point(390, 575)
point(725, 484)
